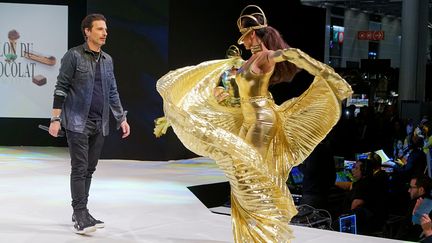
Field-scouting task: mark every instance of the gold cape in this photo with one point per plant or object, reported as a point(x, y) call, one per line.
point(261, 203)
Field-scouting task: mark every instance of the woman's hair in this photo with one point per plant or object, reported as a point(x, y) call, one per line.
point(375, 160)
point(284, 71)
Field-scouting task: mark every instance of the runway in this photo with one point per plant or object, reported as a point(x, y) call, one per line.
point(140, 201)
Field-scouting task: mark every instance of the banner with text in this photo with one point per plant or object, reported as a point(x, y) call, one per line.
point(33, 39)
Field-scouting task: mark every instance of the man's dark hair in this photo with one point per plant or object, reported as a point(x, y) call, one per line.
point(425, 182)
point(87, 22)
point(366, 167)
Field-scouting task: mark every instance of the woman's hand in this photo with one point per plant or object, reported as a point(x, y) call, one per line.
point(220, 94)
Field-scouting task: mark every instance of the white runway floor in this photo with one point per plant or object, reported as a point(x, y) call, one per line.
point(140, 201)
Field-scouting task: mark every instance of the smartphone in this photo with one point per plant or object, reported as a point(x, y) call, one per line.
point(424, 208)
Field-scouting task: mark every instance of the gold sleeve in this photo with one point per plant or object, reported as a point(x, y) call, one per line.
point(193, 112)
point(315, 68)
point(308, 118)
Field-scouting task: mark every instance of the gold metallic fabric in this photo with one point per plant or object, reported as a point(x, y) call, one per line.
point(258, 143)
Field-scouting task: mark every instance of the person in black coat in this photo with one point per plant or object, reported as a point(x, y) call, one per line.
point(319, 176)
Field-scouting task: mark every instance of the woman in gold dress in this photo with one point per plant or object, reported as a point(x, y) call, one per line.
point(257, 142)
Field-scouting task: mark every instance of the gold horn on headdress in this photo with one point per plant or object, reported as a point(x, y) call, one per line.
point(247, 30)
point(233, 51)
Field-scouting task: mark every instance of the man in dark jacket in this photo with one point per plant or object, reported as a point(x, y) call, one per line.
point(85, 91)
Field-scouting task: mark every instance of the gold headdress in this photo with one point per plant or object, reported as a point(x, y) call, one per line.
point(247, 30)
point(233, 51)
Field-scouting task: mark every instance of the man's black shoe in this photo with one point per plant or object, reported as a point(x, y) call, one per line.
point(82, 225)
point(97, 223)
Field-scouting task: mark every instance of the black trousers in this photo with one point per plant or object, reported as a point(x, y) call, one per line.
point(85, 149)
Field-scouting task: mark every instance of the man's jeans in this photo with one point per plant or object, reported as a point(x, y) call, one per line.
point(85, 149)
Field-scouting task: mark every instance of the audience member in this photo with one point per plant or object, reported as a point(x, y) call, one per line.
point(427, 143)
point(361, 196)
point(397, 134)
point(380, 188)
point(419, 130)
point(319, 176)
point(412, 164)
point(419, 187)
point(399, 150)
point(415, 164)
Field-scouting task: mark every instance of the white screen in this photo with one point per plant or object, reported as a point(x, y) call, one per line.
point(42, 31)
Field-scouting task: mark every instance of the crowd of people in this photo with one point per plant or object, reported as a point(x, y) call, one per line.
point(383, 196)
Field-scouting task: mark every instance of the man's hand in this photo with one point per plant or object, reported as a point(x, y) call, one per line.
point(54, 128)
point(125, 128)
point(426, 225)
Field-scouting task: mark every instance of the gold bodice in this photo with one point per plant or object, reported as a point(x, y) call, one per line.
point(252, 84)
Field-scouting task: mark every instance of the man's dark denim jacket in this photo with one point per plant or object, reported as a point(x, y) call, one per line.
point(75, 82)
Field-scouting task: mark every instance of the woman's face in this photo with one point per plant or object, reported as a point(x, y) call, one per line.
point(399, 144)
point(409, 128)
point(247, 41)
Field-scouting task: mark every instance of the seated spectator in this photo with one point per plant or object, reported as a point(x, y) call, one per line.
point(419, 131)
point(398, 150)
point(362, 173)
point(378, 173)
point(409, 132)
point(319, 176)
point(362, 198)
point(380, 188)
point(420, 186)
point(415, 164)
point(427, 142)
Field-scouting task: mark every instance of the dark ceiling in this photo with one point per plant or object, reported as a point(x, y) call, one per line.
point(378, 7)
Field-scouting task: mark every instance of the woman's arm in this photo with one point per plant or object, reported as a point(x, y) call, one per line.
point(314, 67)
point(300, 59)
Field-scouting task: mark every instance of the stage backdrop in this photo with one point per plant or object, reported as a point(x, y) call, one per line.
point(148, 38)
point(192, 31)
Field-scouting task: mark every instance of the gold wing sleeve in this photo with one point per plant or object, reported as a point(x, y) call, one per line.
point(316, 68)
point(161, 126)
point(307, 119)
point(204, 126)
